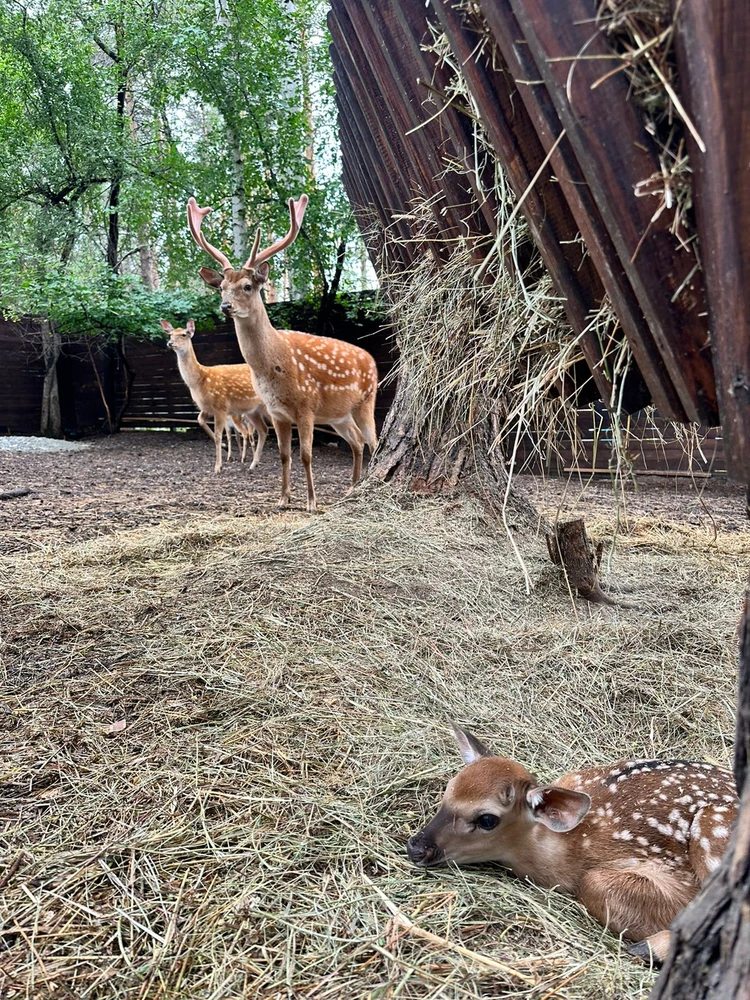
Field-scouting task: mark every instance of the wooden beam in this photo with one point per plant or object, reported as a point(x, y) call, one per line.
point(520, 62)
point(713, 50)
point(517, 147)
point(615, 152)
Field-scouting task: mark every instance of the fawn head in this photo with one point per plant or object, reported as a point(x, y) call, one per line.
point(179, 339)
point(490, 808)
point(239, 287)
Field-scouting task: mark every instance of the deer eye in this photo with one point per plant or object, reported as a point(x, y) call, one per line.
point(487, 821)
point(248, 287)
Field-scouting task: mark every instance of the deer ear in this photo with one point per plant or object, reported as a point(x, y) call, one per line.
point(469, 746)
point(560, 809)
point(262, 271)
point(190, 328)
point(166, 326)
point(211, 277)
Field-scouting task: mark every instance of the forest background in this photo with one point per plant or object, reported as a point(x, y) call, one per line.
point(113, 113)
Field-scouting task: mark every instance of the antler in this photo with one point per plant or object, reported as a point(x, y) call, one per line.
point(195, 217)
point(296, 215)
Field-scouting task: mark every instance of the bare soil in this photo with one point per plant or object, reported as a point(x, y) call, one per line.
point(140, 478)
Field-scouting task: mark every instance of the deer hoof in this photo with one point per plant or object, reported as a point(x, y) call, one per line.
point(643, 951)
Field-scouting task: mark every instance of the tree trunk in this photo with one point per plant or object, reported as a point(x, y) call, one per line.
point(239, 221)
point(424, 456)
point(51, 422)
point(710, 954)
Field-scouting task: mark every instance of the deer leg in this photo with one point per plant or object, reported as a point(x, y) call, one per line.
point(203, 422)
point(364, 418)
point(283, 430)
point(305, 427)
point(349, 431)
point(638, 899)
point(228, 431)
point(219, 428)
point(653, 949)
point(260, 425)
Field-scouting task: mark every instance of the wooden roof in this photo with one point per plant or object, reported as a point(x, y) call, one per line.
point(573, 154)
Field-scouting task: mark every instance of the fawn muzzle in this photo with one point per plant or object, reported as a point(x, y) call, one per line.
point(423, 850)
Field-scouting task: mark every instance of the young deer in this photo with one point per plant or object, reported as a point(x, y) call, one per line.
point(225, 392)
point(302, 379)
point(632, 842)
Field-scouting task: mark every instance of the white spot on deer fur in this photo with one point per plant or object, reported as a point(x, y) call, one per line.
point(729, 798)
point(623, 777)
point(684, 800)
point(655, 849)
point(642, 840)
point(712, 863)
point(622, 835)
point(637, 815)
point(720, 831)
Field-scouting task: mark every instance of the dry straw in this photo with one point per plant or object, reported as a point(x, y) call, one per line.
point(218, 735)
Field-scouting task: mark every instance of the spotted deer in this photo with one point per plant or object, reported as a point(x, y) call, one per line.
point(301, 378)
point(632, 841)
point(225, 392)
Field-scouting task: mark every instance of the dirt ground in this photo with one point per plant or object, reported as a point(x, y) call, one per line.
point(139, 478)
point(144, 478)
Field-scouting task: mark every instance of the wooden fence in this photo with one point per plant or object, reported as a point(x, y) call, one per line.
point(93, 379)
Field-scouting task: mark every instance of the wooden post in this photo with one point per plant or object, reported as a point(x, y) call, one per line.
point(710, 954)
point(615, 152)
point(713, 50)
point(569, 547)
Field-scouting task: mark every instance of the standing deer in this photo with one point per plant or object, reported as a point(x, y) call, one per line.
point(301, 378)
point(225, 392)
point(632, 842)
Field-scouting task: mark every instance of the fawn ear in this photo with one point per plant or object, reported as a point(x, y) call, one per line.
point(211, 277)
point(469, 746)
point(560, 809)
point(190, 328)
point(166, 326)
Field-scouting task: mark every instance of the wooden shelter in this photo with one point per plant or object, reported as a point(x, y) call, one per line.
point(577, 153)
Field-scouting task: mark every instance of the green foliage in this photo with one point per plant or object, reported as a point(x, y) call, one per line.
point(116, 111)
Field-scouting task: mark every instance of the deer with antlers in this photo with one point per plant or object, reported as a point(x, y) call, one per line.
point(301, 378)
point(225, 392)
point(632, 841)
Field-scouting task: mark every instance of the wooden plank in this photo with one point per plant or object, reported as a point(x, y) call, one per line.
point(387, 168)
point(397, 114)
point(615, 152)
point(520, 62)
point(372, 21)
point(393, 164)
point(357, 138)
point(552, 226)
point(713, 50)
point(401, 27)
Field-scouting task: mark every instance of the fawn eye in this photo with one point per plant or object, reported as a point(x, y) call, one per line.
point(487, 821)
point(248, 287)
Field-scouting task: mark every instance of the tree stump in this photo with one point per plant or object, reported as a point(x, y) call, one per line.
point(710, 954)
point(569, 547)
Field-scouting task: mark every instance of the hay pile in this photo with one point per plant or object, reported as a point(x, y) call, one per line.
point(216, 737)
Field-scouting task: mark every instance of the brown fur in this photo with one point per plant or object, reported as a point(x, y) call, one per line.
point(632, 841)
point(302, 379)
point(221, 392)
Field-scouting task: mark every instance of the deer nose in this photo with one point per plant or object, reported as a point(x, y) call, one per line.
point(422, 850)
point(226, 308)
